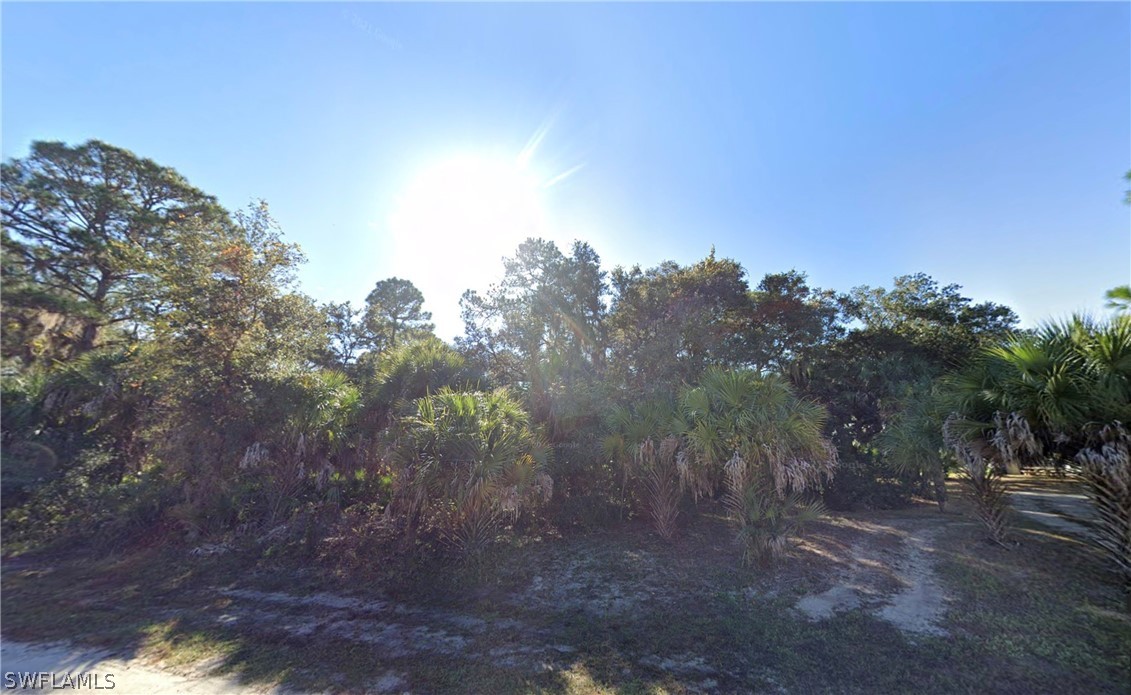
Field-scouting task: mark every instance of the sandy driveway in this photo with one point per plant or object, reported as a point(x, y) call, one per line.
point(23, 663)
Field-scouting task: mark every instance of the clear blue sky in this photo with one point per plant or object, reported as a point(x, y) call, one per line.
point(982, 144)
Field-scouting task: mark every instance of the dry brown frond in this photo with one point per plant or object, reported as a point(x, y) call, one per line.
point(661, 482)
point(1106, 472)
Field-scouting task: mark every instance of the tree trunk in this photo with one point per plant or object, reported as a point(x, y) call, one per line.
point(88, 337)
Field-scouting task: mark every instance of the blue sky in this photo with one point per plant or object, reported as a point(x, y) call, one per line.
point(983, 144)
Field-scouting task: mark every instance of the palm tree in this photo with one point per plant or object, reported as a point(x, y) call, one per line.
point(1062, 393)
point(1045, 394)
point(912, 440)
point(1106, 470)
point(640, 441)
point(767, 447)
point(302, 432)
point(463, 459)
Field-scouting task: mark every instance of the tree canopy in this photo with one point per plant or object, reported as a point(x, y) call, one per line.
point(163, 369)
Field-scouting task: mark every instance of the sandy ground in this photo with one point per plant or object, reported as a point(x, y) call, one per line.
point(128, 676)
point(1058, 507)
point(886, 569)
point(889, 573)
point(916, 606)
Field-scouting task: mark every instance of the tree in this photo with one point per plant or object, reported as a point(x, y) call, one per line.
point(939, 322)
point(789, 320)
point(465, 458)
point(668, 324)
point(1106, 470)
point(230, 326)
point(738, 431)
point(395, 380)
point(766, 445)
point(1119, 299)
point(394, 314)
point(907, 336)
point(641, 440)
point(88, 223)
point(1058, 384)
point(347, 333)
point(1059, 394)
point(541, 329)
point(912, 442)
point(39, 325)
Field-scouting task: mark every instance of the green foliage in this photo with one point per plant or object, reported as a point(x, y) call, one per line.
point(464, 459)
point(912, 442)
point(769, 447)
point(542, 331)
point(347, 335)
point(640, 439)
point(394, 315)
point(940, 323)
point(1058, 394)
point(1062, 382)
point(300, 438)
point(394, 380)
point(790, 321)
point(1119, 298)
point(86, 225)
point(53, 417)
point(156, 348)
point(908, 336)
point(739, 431)
point(75, 503)
point(668, 324)
point(542, 322)
point(589, 488)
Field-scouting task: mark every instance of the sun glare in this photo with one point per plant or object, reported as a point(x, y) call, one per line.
point(469, 202)
point(457, 218)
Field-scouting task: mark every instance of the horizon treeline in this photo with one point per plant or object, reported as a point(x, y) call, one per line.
point(164, 378)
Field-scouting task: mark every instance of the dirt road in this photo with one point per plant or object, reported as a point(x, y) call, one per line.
point(55, 666)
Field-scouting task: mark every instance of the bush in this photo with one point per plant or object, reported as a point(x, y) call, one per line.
point(80, 505)
point(860, 485)
point(587, 487)
point(462, 461)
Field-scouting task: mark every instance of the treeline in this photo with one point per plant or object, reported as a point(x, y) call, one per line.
point(164, 379)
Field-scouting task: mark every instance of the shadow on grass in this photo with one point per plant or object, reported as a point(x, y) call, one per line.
point(1038, 618)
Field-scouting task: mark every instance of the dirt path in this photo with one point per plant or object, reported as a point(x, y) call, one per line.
point(1055, 504)
point(895, 584)
point(56, 663)
point(391, 629)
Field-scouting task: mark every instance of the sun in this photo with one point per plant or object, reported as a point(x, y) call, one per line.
point(455, 220)
point(470, 206)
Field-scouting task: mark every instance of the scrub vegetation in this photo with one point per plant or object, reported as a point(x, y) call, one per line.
point(667, 479)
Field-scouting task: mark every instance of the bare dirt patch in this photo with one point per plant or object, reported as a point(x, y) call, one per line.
point(127, 675)
point(892, 581)
point(392, 630)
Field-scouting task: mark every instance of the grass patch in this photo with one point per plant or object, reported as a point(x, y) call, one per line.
point(612, 611)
